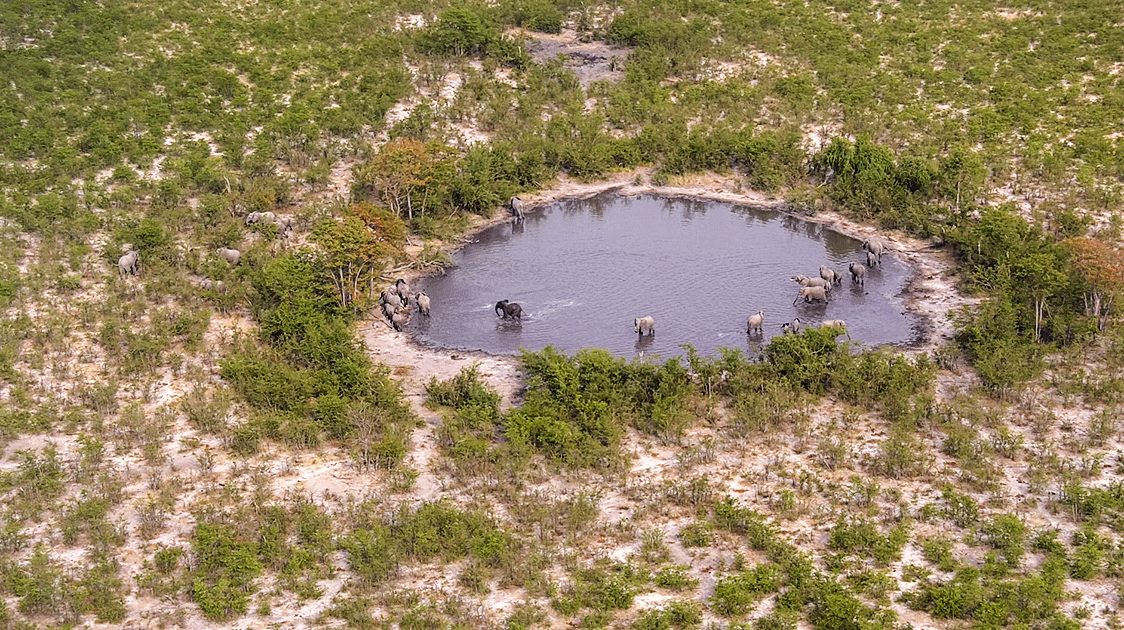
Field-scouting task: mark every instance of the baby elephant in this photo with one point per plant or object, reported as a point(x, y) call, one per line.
point(644, 325)
point(872, 259)
point(509, 310)
point(812, 294)
point(755, 322)
point(858, 274)
point(792, 328)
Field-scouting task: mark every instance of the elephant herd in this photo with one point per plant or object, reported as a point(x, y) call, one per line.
point(129, 263)
point(396, 303)
point(818, 289)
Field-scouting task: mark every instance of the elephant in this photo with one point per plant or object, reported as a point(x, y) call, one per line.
point(402, 289)
point(872, 259)
point(792, 328)
point(805, 281)
point(506, 310)
point(644, 325)
point(835, 323)
point(858, 274)
point(831, 275)
point(516, 205)
point(229, 255)
point(812, 294)
point(391, 297)
point(261, 217)
point(284, 225)
point(423, 303)
point(399, 318)
point(875, 247)
point(128, 264)
point(755, 322)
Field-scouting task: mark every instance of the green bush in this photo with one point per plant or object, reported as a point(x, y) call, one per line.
point(224, 569)
point(737, 594)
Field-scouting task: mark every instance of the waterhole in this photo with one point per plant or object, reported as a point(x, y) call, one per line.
point(583, 270)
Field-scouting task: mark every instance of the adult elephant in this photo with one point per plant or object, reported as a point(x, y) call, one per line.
point(811, 294)
point(509, 310)
point(805, 281)
point(755, 322)
point(875, 247)
point(230, 255)
point(516, 205)
point(644, 325)
point(831, 275)
point(423, 303)
point(129, 264)
point(858, 274)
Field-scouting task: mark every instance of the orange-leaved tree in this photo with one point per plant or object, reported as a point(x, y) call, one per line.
point(355, 250)
point(1101, 269)
point(403, 175)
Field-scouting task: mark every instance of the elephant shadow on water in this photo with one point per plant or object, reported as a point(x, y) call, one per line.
point(517, 226)
point(643, 342)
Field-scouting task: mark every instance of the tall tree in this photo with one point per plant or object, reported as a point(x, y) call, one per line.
point(1101, 268)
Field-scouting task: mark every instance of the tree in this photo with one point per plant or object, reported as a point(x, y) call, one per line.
point(1101, 268)
point(402, 175)
point(353, 255)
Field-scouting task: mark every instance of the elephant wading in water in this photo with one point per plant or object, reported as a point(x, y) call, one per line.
point(509, 310)
point(423, 303)
point(516, 205)
point(644, 325)
point(877, 248)
point(792, 328)
point(129, 264)
point(831, 275)
point(755, 322)
point(805, 281)
point(858, 274)
point(836, 323)
point(812, 294)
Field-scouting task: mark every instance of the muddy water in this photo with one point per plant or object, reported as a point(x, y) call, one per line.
point(584, 269)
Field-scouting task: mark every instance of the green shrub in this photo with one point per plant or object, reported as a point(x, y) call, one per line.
point(737, 594)
point(224, 568)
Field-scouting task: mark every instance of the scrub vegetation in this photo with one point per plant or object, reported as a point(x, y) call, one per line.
point(206, 443)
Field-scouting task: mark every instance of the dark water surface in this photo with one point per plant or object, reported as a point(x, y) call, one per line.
point(584, 269)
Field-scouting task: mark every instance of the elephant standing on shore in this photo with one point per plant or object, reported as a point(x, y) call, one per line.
point(129, 264)
point(516, 205)
point(509, 310)
point(644, 325)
